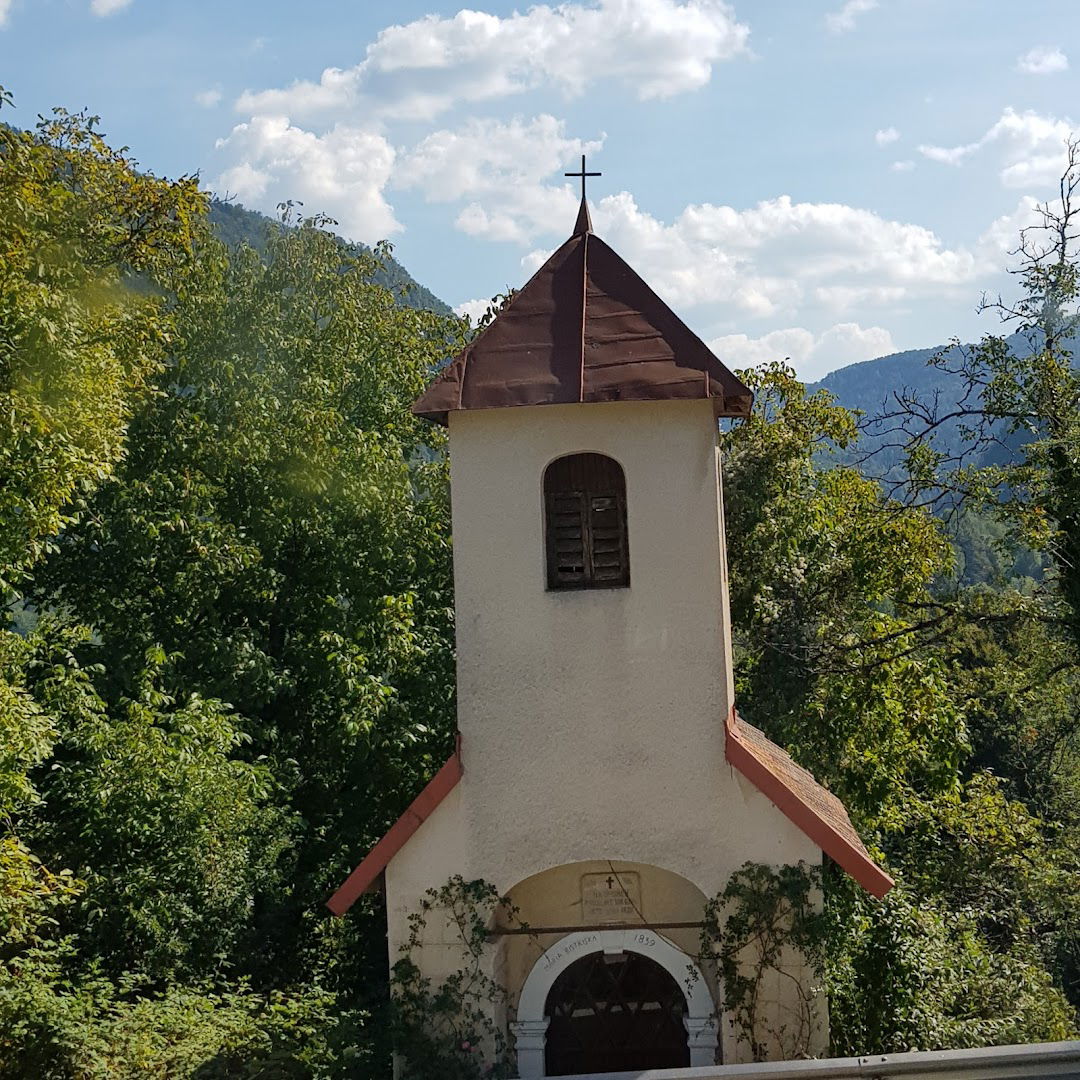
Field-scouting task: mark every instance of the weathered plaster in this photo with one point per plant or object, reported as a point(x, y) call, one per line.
point(591, 721)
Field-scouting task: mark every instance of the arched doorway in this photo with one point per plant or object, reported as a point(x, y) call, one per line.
point(589, 994)
point(615, 1012)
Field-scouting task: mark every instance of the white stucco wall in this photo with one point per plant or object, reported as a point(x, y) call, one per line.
point(434, 854)
point(591, 721)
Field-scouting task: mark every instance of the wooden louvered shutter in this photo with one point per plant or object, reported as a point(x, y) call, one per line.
point(566, 536)
point(585, 507)
point(607, 539)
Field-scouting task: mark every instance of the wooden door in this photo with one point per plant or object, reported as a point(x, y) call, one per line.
point(615, 1013)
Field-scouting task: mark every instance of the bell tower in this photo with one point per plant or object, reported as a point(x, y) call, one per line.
point(594, 646)
point(604, 781)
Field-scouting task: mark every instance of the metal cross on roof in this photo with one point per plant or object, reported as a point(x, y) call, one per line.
point(583, 174)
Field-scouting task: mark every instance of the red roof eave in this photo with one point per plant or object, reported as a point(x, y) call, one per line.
point(367, 874)
point(845, 850)
point(836, 838)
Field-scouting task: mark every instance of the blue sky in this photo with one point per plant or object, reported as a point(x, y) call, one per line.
point(827, 180)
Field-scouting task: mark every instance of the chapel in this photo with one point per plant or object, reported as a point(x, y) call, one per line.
point(603, 779)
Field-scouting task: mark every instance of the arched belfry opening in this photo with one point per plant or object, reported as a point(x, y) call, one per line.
point(615, 1011)
point(585, 523)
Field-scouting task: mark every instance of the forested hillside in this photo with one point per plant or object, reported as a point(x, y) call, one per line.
point(869, 385)
point(884, 389)
point(236, 226)
point(227, 663)
point(923, 401)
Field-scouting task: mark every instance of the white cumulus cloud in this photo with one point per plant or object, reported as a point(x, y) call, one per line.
point(840, 22)
point(473, 310)
point(812, 355)
point(885, 136)
point(500, 167)
point(778, 257)
point(5, 10)
point(902, 166)
point(342, 172)
point(489, 155)
point(521, 216)
point(1031, 148)
point(1042, 60)
point(654, 48)
point(108, 7)
point(245, 182)
point(304, 141)
point(1003, 234)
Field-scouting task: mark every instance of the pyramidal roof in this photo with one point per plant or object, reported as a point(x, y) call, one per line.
point(585, 328)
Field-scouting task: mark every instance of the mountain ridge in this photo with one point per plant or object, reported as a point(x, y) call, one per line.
point(858, 385)
point(235, 224)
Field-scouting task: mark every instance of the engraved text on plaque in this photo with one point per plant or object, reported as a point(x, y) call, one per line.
point(611, 898)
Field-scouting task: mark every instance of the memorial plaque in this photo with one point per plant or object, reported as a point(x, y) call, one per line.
point(611, 898)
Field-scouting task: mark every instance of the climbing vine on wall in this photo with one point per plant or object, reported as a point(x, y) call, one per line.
point(445, 1030)
point(765, 928)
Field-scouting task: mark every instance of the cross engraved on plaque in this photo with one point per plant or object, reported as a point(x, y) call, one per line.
point(611, 898)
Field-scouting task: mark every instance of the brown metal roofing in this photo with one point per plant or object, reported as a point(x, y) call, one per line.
point(585, 328)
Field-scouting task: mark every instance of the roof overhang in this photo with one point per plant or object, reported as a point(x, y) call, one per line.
point(585, 328)
point(805, 802)
point(794, 791)
point(367, 877)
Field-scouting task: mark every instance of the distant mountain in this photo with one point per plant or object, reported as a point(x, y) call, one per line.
point(235, 224)
point(868, 384)
point(873, 385)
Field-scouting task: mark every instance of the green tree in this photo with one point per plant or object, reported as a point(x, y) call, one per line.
point(824, 574)
point(278, 536)
point(77, 344)
point(174, 834)
point(148, 793)
point(855, 650)
point(87, 243)
point(1015, 652)
point(914, 973)
point(1018, 395)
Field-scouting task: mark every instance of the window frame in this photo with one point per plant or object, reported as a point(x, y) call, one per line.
point(588, 478)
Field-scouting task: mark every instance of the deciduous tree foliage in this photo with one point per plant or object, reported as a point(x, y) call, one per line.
point(85, 240)
point(278, 533)
point(824, 571)
point(247, 519)
point(855, 651)
point(1015, 663)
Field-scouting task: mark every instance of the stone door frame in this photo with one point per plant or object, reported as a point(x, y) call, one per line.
point(530, 1029)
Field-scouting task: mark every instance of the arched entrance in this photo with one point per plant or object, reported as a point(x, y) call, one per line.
point(586, 987)
point(615, 1012)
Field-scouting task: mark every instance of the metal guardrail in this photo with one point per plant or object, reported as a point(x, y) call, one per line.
point(1046, 1061)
